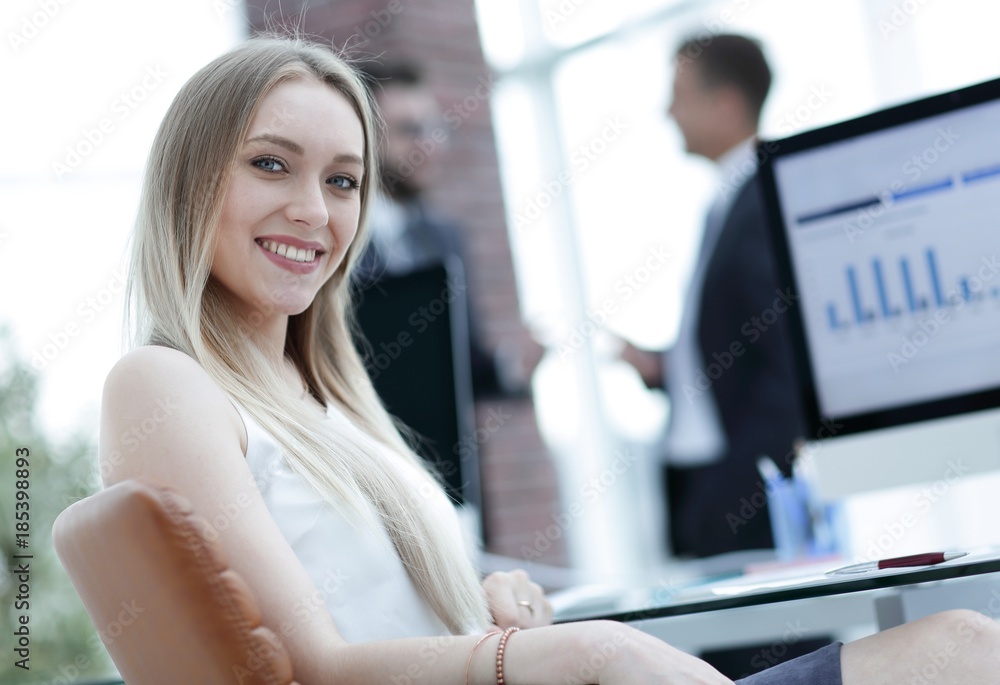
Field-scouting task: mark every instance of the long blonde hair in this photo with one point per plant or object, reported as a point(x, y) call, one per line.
point(173, 301)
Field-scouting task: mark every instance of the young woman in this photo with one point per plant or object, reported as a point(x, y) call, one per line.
point(251, 218)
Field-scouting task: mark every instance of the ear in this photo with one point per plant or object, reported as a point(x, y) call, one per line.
point(731, 102)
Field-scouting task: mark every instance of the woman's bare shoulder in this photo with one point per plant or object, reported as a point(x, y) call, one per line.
point(153, 377)
point(159, 402)
point(155, 361)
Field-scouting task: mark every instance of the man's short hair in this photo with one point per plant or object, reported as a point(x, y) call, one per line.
point(729, 60)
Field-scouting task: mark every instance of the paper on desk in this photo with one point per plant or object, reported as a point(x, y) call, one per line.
point(815, 576)
point(774, 578)
point(730, 590)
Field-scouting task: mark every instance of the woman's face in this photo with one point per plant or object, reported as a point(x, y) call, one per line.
point(293, 202)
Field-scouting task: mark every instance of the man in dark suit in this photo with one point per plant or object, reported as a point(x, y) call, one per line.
point(407, 235)
point(729, 376)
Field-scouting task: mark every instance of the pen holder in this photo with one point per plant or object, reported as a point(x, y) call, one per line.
point(790, 519)
point(802, 525)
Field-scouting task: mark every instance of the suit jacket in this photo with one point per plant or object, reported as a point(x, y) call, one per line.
point(746, 353)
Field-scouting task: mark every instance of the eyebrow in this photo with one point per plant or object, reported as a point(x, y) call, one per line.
point(292, 146)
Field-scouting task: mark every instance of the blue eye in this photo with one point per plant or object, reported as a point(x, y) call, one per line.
point(269, 164)
point(345, 182)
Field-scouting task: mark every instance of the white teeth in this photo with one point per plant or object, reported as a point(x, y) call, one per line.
point(288, 251)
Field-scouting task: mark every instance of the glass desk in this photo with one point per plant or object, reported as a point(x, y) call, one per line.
point(804, 602)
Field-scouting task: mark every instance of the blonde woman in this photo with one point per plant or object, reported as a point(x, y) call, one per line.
point(251, 218)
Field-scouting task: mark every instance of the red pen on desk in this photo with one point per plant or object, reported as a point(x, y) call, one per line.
point(899, 562)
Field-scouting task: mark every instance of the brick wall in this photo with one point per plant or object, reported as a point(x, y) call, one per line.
point(519, 481)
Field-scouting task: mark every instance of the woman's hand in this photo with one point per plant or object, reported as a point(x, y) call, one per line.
point(516, 601)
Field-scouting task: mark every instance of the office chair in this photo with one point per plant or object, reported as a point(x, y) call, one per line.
point(164, 602)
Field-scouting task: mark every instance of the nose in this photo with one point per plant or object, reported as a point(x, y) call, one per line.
point(307, 207)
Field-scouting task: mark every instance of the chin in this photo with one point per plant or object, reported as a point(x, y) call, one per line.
point(297, 309)
point(292, 306)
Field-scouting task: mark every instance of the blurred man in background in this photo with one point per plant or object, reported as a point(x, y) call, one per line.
point(730, 378)
point(406, 233)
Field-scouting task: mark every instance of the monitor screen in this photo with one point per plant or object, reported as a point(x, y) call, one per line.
point(887, 227)
point(417, 357)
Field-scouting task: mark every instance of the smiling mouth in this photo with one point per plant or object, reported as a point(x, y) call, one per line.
point(295, 254)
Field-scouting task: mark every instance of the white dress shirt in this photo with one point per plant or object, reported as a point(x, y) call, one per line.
point(695, 435)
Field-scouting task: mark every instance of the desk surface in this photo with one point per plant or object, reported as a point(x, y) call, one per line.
point(751, 590)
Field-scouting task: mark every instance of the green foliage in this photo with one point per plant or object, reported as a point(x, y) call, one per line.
point(64, 646)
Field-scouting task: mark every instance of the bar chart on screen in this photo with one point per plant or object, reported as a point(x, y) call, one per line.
point(896, 261)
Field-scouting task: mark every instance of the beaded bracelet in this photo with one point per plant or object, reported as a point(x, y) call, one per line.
point(500, 650)
point(468, 663)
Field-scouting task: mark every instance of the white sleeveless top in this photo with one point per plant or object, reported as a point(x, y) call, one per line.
point(355, 568)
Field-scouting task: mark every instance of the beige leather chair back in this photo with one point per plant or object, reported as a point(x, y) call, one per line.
point(164, 602)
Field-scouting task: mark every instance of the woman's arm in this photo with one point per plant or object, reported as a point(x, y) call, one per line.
point(164, 417)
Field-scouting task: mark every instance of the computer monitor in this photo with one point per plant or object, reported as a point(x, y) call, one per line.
point(417, 355)
point(886, 229)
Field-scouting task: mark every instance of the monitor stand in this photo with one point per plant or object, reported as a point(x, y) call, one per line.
point(911, 454)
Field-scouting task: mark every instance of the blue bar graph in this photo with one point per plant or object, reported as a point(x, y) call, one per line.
point(911, 299)
point(831, 312)
point(883, 296)
point(919, 288)
point(967, 294)
point(935, 279)
point(859, 314)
